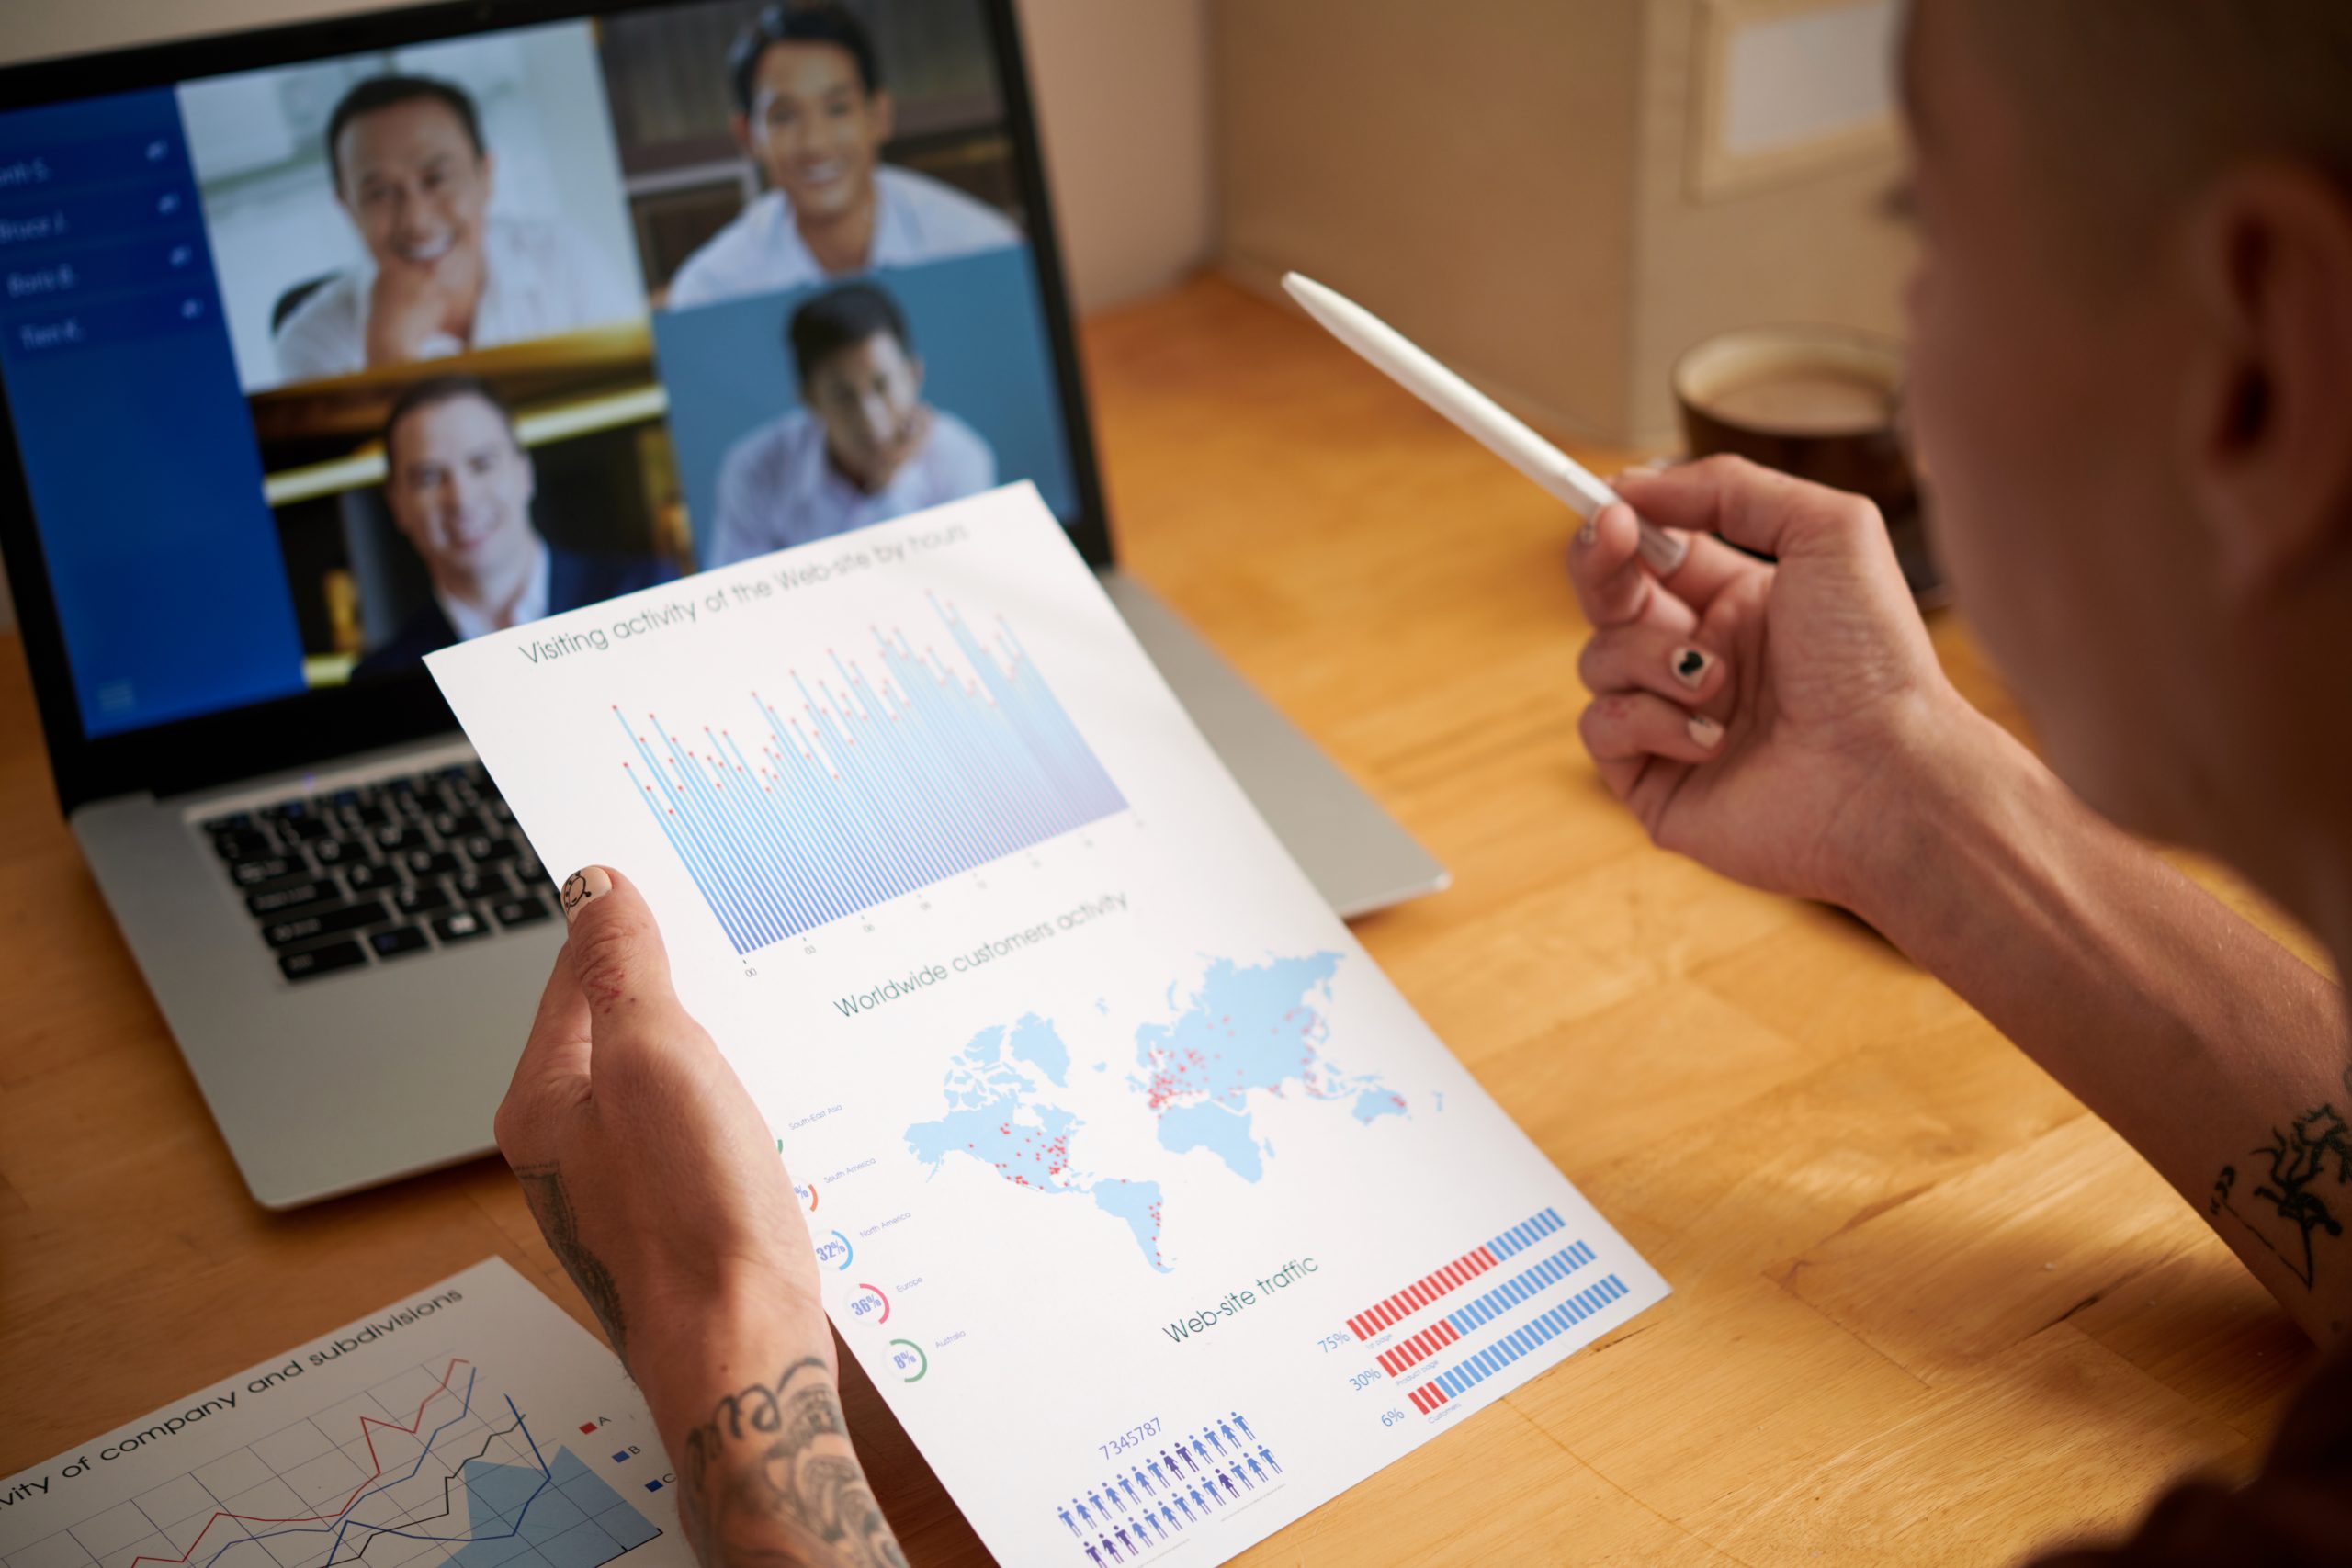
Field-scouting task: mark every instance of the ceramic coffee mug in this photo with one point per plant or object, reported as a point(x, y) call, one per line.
point(1823, 404)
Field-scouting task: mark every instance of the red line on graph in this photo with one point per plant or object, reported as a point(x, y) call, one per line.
point(364, 1422)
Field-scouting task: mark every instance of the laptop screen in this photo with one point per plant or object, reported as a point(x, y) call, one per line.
point(317, 368)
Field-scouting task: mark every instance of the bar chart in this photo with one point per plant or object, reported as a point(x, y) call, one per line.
point(1474, 1370)
point(1491, 1304)
point(1447, 1278)
point(867, 779)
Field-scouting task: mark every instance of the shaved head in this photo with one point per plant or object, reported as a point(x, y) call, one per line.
point(2146, 99)
point(2131, 386)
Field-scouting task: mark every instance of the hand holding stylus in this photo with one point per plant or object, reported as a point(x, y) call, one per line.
point(1784, 722)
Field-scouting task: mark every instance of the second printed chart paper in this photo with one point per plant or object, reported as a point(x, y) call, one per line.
point(1153, 1208)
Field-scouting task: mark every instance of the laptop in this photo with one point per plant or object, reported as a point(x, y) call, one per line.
point(326, 345)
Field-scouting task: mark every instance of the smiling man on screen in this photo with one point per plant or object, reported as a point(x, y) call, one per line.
point(813, 114)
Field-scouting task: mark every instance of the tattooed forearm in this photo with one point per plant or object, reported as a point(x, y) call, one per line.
point(550, 1204)
point(771, 1480)
point(2294, 1199)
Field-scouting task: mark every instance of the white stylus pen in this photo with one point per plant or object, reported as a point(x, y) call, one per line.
point(1480, 417)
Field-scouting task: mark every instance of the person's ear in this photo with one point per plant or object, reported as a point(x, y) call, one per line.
point(883, 110)
point(2269, 253)
point(739, 127)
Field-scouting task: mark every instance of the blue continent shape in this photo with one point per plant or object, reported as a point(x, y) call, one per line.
point(994, 1117)
point(1037, 1043)
point(1224, 1133)
point(1247, 1029)
point(1137, 1202)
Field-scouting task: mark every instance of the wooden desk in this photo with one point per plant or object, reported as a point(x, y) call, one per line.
point(1926, 1309)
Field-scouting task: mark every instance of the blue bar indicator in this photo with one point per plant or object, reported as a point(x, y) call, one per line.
point(1520, 1287)
point(1523, 1235)
point(1463, 1376)
point(855, 788)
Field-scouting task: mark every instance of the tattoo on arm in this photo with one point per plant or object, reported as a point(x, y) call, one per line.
point(550, 1204)
point(771, 1479)
point(2289, 1206)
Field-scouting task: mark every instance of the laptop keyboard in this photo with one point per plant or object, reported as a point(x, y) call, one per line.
point(379, 873)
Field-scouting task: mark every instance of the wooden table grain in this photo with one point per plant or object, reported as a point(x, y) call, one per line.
point(1926, 1309)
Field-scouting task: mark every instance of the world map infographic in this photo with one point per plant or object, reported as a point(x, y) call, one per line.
point(1244, 1032)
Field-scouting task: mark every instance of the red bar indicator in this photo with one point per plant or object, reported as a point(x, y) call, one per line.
point(1424, 1291)
point(1419, 1349)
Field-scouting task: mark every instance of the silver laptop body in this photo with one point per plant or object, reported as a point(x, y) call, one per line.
point(345, 932)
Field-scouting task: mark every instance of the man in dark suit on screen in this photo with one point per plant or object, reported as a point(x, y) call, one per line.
point(459, 485)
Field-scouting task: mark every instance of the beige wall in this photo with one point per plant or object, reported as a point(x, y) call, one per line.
point(1812, 246)
point(1466, 170)
point(1123, 105)
point(1512, 182)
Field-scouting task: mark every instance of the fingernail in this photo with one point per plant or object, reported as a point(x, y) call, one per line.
point(1589, 532)
point(590, 882)
point(1689, 666)
point(1706, 731)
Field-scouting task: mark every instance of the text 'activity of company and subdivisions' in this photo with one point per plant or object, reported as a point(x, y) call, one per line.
point(1151, 1205)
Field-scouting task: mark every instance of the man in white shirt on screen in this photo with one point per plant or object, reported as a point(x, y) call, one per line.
point(812, 112)
point(862, 447)
point(442, 274)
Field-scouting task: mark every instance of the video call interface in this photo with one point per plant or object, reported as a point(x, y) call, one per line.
point(317, 368)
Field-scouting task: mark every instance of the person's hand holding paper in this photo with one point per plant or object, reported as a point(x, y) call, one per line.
point(653, 1178)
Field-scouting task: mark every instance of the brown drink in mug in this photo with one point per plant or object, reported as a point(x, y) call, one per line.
point(1823, 404)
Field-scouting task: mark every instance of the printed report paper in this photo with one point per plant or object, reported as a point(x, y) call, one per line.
point(1148, 1201)
point(470, 1423)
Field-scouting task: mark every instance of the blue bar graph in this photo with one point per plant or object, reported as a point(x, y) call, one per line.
point(1526, 1235)
point(1465, 1375)
point(1519, 1287)
point(852, 788)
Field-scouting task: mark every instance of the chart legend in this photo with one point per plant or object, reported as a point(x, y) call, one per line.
point(851, 787)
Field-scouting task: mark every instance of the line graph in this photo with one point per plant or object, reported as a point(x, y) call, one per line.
point(430, 1468)
point(367, 1424)
point(855, 786)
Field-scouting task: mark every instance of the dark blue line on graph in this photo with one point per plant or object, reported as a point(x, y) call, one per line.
point(859, 788)
point(422, 1453)
point(547, 1479)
